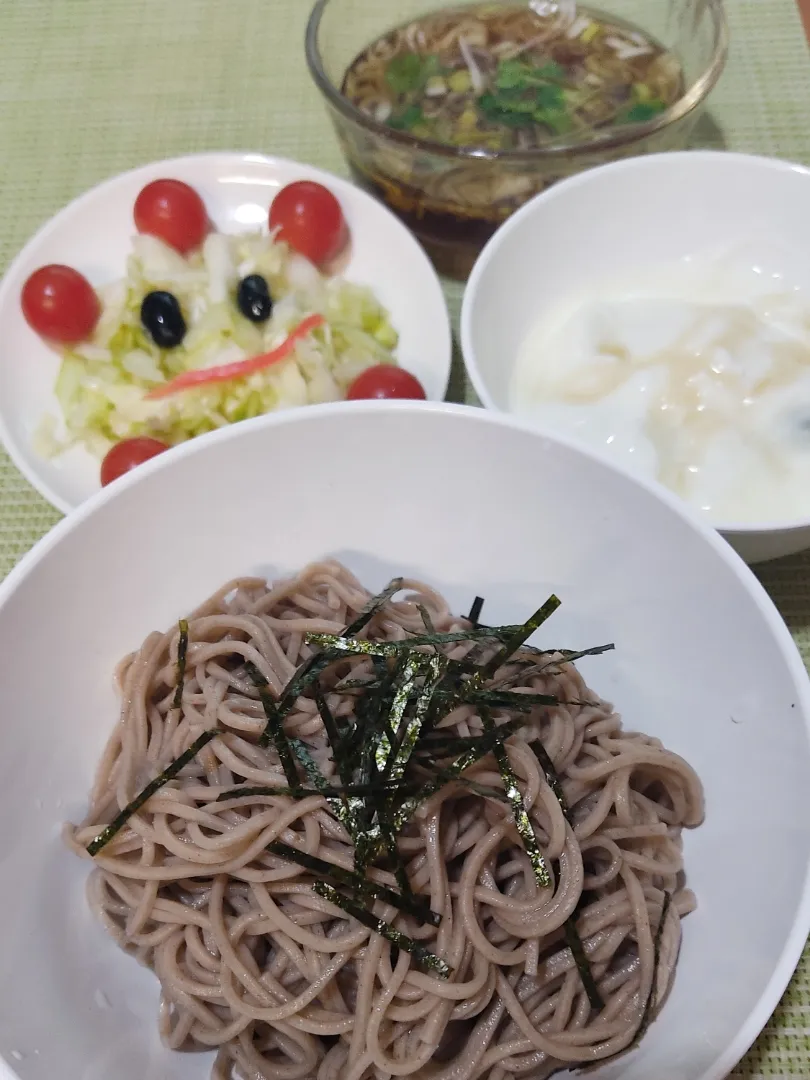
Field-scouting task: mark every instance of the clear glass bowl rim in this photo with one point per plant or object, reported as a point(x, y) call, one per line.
point(692, 98)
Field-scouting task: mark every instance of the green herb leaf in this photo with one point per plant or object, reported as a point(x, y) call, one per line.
point(512, 75)
point(406, 120)
point(551, 71)
point(404, 73)
point(409, 71)
point(502, 110)
point(557, 121)
point(550, 97)
point(642, 112)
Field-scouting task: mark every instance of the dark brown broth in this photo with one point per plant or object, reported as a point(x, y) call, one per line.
point(539, 79)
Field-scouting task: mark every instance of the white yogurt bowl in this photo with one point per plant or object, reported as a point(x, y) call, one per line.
point(625, 222)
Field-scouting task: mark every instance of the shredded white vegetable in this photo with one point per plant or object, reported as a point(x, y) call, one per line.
point(103, 383)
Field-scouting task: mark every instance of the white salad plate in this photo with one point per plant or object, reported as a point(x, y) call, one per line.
point(473, 503)
point(94, 233)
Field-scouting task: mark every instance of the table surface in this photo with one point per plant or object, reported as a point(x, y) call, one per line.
point(91, 87)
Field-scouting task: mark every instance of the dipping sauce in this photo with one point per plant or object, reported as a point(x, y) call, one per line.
point(696, 375)
point(496, 77)
point(511, 76)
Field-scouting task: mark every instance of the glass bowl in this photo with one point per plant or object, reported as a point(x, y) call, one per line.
point(454, 198)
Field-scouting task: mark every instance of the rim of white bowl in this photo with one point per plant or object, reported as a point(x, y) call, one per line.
point(797, 938)
point(588, 176)
point(254, 157)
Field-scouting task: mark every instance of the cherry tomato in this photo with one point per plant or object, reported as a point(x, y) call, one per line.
point(60, 304)
point(310, 220)
point(128, 454)
point(174, 212)
point(385, 381)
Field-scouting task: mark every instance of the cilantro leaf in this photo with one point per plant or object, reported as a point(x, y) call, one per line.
point(642, 112)
point(550, 97)
point(407, 119)
point(511, 75)
point(552, 71)
point(557, 120)
point(503, 111)
point(409, 71)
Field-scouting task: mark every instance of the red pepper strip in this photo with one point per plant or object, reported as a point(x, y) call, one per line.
point(239, 369)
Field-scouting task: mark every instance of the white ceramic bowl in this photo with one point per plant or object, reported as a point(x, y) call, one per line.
point(473, 503)
point(612, 221)
point(94, 234)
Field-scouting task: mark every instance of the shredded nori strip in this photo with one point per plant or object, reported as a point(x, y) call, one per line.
point(422, 955)
point(304, 677)
point(503, 699)
point(521, 636)
point(357, 647)
point(570, 657)
point(475, 611)
point(408, 807)
point(329, 724)
point(386, 751)
point(439, 747)
point(372, 607)
point(520, 816)
point(418, 906)
point(573, 940)
point(552, 779)
point(275, 725)
point(169, 773)
point(242, 791)
point(182, 650)
point(574, 943)
point(426, 619)
point(649, 1007)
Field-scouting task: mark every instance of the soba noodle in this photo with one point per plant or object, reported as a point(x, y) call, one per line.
point(285, 985)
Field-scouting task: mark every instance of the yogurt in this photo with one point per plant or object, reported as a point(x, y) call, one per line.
point(696, 374)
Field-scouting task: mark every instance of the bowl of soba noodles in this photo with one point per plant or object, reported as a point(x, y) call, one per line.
point(438, 749)
point(455, 114)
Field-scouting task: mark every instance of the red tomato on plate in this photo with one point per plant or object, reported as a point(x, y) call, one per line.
point(173, 212)
point(385, 381)
point(60, 304)
point(310, 220)
point(128, 454)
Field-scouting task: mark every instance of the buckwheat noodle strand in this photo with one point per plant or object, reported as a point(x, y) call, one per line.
point(283, 984)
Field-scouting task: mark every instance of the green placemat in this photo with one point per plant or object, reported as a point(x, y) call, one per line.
point(91, 87)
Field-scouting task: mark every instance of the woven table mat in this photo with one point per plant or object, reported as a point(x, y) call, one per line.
point(89, 88)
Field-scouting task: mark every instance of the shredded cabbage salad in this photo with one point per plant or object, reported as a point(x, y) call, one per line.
point(102, 384)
